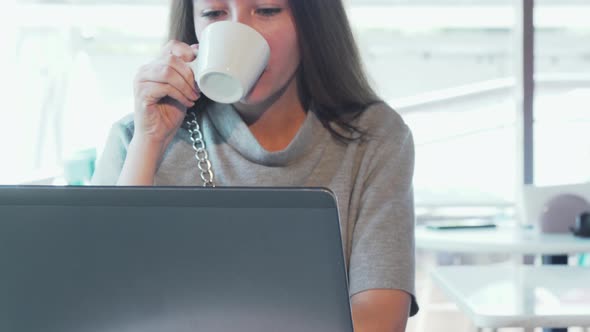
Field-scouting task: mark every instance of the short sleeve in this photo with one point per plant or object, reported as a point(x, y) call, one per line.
point(110, 162)
point(382, 255)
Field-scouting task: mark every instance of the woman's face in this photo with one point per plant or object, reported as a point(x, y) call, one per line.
point(274, 21)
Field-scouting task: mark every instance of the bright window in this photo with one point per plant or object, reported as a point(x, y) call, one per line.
point(562, 105)
point(448, 67)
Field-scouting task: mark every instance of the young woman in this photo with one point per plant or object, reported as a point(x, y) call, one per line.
point(311, 120)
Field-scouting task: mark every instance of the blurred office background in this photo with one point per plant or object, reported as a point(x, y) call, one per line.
point(450, 67)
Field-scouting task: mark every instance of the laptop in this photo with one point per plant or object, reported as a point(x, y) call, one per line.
point(159, 259)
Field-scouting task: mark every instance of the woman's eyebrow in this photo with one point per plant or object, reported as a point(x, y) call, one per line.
point(203, 3)
point(197, 2)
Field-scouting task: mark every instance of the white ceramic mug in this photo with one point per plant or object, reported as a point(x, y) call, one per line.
point(230, 60)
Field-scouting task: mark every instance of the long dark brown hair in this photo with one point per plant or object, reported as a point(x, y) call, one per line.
point(332, 82)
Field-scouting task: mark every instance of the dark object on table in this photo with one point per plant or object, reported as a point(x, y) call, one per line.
point(582, 228)
point(460, 224)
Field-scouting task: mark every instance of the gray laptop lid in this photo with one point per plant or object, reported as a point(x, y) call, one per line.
point(104, 259)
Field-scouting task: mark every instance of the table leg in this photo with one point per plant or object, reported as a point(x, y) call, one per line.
point(429, 261)
point(427, 290)
point(526, 298)
point(555, 260)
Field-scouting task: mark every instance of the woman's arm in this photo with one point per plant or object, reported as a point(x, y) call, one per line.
point(381, 269)
point(164, 89)
point(141, 163)
point(380, 310)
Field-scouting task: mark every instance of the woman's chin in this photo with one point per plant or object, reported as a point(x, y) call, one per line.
point(264, 93)
point(255, 97)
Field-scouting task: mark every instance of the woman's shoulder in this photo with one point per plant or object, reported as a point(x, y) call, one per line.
point(122, 129)
point(381, 121)
point(125, 123)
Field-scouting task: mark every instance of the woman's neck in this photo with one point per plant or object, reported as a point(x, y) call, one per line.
point(276, 123)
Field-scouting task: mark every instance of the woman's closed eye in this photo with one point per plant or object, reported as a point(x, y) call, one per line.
point(217, 14)
point(212, 14)
point(268, 11)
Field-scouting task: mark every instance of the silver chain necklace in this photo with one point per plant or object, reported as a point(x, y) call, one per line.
point(200, 151)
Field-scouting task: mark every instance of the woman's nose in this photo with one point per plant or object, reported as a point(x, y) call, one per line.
point(242, 16)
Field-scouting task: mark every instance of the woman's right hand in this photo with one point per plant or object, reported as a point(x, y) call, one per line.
point(164, 89)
